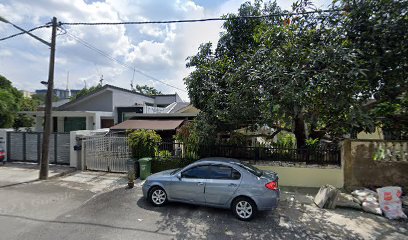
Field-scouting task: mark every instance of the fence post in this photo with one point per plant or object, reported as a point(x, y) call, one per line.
point(8, 146)
point(55, 147)
point(24, 146)
point(38, 147)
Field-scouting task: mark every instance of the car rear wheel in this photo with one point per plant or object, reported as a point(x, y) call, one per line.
point(244, 208)
point(157, 196)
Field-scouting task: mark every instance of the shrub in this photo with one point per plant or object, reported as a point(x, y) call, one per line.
point(162, 165)
point(143, 143)
point(312, 143)
point(165, 155)
point(286, 139)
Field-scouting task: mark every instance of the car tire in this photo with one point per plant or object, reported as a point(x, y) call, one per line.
point(157, 196)
point(244, 208)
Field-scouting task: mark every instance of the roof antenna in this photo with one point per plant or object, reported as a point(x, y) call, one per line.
point(101, 80)
point(69, 91)
point(133, 77)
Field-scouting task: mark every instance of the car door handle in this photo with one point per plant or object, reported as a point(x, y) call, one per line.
point(200, 183)
point(232, 185)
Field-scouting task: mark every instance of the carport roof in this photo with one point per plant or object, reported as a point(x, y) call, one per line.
point(148, 124)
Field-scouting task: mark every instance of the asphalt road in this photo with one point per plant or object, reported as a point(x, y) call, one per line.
point(60, 209)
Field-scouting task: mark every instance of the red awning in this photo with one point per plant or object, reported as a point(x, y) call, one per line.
point(148, 124)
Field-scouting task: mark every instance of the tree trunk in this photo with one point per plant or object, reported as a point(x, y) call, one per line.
point(300, 131)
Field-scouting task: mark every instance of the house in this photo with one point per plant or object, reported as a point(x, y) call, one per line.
point(103, 108)
point(60, 93)
point(165, 122)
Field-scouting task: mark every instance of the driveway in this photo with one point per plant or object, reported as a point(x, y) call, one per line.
point(19, 173)
point(88, 205)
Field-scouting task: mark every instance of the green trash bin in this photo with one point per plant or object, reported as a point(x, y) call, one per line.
point(145, 165)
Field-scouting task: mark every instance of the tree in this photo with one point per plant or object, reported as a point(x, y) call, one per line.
point(87, 91)
point(10, 99)
point(29, 104)
point(306, 72)
point(40, 98)
point(23, 120)
point(146, 90)
point(379, 29)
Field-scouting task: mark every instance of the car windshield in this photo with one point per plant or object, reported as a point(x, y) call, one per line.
point(174, 171)
point(250, 168)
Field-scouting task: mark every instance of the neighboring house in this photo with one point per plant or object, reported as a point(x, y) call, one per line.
point(103, 108)
point(60, 93)
point(381, 134)
point(165, 122)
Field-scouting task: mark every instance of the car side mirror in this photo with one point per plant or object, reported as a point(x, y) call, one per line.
point(178, 176)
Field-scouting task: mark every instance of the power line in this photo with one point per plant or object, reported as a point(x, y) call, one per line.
point(288, 14)
point(90, 46)
point(23, 32)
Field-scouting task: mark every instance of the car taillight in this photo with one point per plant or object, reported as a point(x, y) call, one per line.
point(272, 185)
point(2, 154)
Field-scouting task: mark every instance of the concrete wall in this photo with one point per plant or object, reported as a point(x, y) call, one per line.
point(75, 138)
point(307, 176)
point(360, 168)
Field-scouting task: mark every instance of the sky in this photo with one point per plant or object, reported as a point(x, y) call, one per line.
point(157, 50)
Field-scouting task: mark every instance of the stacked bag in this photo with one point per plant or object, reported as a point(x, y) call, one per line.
point(390, 202)
point(386, 201)
point(368, 200)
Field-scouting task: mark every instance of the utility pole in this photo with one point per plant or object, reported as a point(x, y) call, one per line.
point(48, 106)
point(48, 100)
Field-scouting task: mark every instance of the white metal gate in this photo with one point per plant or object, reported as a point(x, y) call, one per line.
point(106, 153)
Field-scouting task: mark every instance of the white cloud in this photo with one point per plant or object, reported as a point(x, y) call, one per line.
point(159, 50)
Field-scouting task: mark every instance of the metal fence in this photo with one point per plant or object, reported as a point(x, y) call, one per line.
point(110, 153)
point(27, 147)
point(106, 153)
point(323, 155)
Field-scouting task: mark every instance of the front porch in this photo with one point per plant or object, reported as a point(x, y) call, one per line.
point(67, 121)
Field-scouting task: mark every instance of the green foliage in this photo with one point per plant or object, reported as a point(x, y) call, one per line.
point(146, 90)
point(196, 133)
point(143, 143)
point(165, 155)
point(29, 104)
point(162, 165)
point(23, 120)
point(40, 98)
point(379, 154)
point(318, 69)
point(8, 108)
point(10, 100)
point(87, 91)
point(238, 139)
point(187, 134)
point(286, 139)
point(312, 143)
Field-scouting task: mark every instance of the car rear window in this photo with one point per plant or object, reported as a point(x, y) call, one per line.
point(250, 168)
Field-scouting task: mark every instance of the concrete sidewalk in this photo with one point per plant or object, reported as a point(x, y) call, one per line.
point(18, 173)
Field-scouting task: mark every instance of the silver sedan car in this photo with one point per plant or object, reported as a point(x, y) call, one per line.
point(216, 182)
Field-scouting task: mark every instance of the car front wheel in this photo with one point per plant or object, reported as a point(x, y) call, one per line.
point(244, 209)
point(157, 196)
